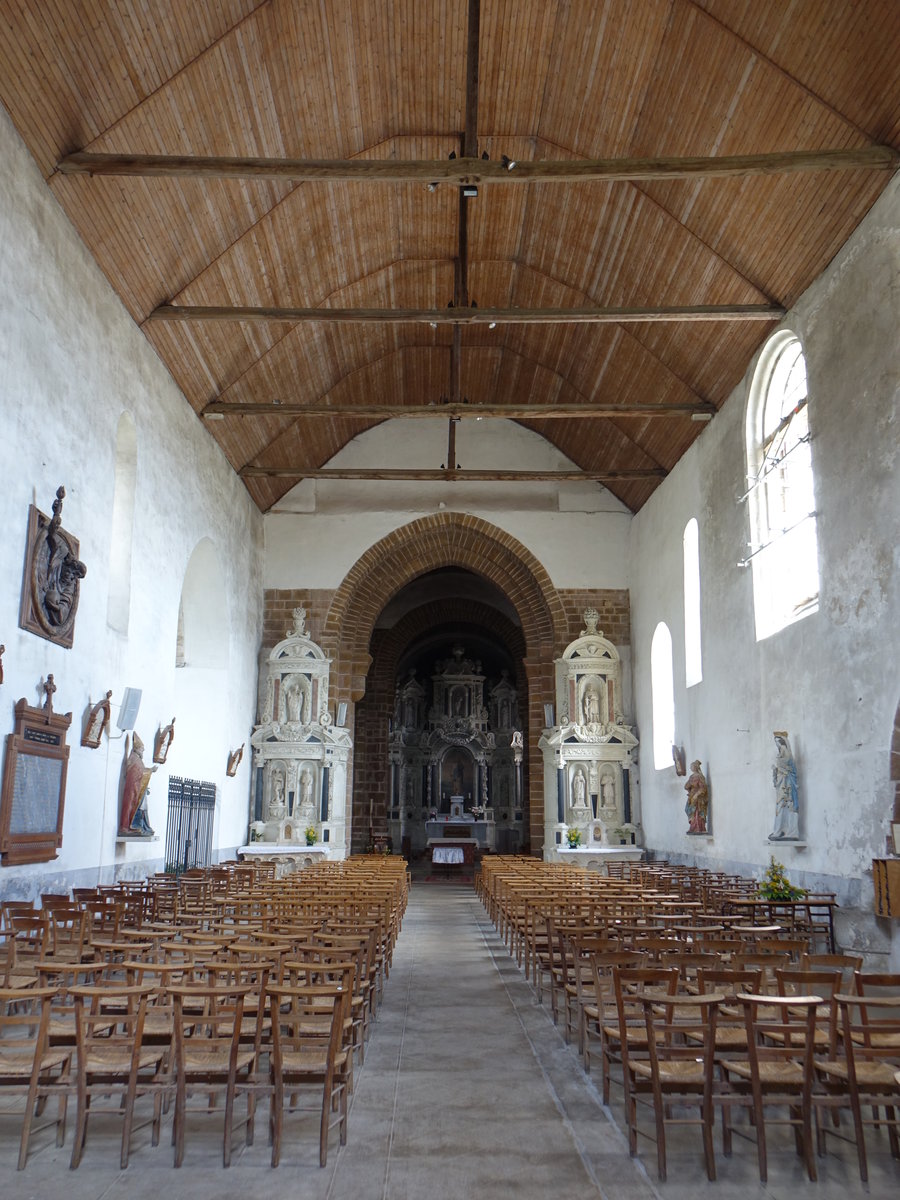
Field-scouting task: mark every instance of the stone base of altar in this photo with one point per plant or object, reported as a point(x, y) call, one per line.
point(288, 859)
point(594, 858)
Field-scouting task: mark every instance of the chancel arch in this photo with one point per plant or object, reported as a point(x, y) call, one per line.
point(429, 544)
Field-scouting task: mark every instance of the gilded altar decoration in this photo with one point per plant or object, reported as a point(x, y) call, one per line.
point(52, 576)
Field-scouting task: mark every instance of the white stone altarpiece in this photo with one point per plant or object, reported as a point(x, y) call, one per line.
point(456, 759)
point(299, 770)
point(589, 754)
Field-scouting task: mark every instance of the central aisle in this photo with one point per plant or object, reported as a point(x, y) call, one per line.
point(467, 1087)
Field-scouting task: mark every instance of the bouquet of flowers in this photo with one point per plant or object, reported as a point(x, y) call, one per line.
point(775, 884)
point(573, 837)
point(311, 835)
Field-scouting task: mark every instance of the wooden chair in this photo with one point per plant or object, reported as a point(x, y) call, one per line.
point(113, 1060)
point(29, 1066)
point(866, 1074)
point(208, 1056)
point(673, 1072)
point(777, 1071)
point(625, 1041)
point(307, 1052)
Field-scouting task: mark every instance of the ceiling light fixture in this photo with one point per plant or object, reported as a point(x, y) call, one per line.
point(470, 190)
point(214, 416)
point(702, 416)
point(492, 325)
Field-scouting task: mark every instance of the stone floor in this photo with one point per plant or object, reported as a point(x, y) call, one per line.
point(467, 1090)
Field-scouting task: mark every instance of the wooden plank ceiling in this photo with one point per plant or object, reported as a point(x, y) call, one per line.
point(391, 81)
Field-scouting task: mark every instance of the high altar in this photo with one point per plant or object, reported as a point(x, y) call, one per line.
point(456, 754)
point(590, 755)
point(299, 776)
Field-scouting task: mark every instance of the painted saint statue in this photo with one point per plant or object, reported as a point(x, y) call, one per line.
point(787, 798)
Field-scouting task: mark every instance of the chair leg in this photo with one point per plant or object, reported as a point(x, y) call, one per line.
point(178, 1123)
point(759, 1121)
point(229, 1116)
point(127, 1121)
point(80, 1126)
point(323, 1124)
point(276, 1117)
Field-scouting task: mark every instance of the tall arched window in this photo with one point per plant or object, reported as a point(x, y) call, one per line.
point(693, 663)
point(662, 690)
point(118, 600)
point(781, 500)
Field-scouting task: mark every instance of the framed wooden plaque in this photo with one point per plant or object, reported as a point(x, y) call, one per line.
point(34, 786)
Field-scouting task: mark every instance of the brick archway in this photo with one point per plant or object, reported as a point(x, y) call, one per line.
point(451, 540)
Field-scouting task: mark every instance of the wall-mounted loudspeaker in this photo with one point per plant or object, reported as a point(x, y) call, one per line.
point(128, 713)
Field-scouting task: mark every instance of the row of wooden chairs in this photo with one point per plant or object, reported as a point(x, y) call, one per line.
point(259, 999)
point(762, 1018)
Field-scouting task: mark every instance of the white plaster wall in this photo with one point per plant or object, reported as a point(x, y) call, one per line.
point(577, 531)
point(831, 680)
point(71, 360)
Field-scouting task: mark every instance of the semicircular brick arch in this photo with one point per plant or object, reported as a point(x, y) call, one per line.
point(442, 540)
point(451, 540)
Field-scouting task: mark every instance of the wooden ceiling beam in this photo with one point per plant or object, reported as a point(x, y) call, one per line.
point(470, 170)
point(471, 316)
point(440, 476)
point(513, 412)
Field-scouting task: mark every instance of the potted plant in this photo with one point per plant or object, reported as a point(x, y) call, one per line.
point(311, 835)
point(625, 833)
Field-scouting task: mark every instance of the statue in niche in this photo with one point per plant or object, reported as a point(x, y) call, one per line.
point(459, 702)
point(456, 780)
point(164, 740)
point(98, 719)
point(276, 799)
point(53, 573)
point(294, 702)
point(307, 810)
point(133, 818)
point(591, 708)
point(608, 794)
point(579, 790)
point(787, 796)
point(697, 804)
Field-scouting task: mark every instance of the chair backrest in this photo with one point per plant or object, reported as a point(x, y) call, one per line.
point(870, 1026)
point(781, 1030)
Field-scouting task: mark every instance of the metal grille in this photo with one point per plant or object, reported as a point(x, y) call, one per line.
point(189, 825)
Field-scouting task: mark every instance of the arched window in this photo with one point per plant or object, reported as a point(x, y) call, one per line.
point(781, 501)
point(662, 690)
point(693, 664)
point(118, 600)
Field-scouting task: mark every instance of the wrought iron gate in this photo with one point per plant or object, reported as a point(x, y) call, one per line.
point(189, 825)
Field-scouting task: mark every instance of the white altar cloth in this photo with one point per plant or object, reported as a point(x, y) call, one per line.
point(446, 854)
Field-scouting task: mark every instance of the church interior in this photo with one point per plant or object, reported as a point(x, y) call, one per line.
point(456, 433)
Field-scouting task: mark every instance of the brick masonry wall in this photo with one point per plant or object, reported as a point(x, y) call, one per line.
point(613, 605)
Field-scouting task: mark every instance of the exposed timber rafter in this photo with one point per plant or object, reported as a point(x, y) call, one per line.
point(471, 316)
point(458, 476)
point(470, 170)
point(456, 412)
